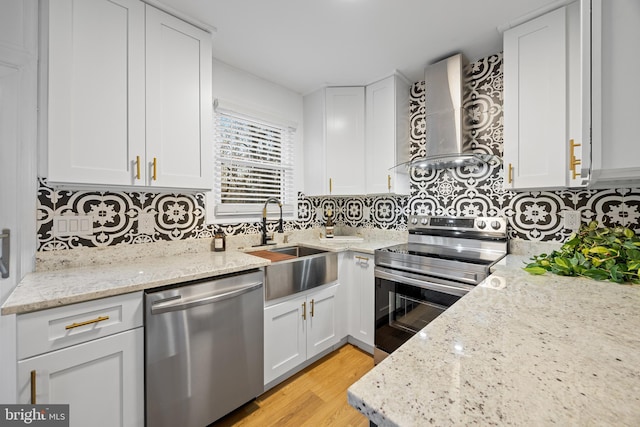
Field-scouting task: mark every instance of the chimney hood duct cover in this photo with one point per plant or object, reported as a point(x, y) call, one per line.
point(445, 119)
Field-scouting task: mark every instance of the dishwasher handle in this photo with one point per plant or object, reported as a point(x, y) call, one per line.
point(176, 303)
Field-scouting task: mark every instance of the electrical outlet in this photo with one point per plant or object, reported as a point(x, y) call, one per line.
point(572, 220)
point(146, 224)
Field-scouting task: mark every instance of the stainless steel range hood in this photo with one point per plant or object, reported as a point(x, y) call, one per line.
point(446, 145)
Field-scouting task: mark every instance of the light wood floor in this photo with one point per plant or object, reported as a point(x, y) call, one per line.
point(316, 396)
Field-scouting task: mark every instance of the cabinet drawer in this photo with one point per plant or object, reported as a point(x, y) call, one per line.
point(43, 331)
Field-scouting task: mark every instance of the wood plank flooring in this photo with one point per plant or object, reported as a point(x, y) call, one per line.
point(316, 396)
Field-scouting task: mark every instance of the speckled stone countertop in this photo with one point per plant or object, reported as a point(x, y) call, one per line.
point(42, 290)
point(517, 350)
point(47, 289)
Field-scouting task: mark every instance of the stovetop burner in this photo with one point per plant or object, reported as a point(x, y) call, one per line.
point(461, 249)
point(446, 253)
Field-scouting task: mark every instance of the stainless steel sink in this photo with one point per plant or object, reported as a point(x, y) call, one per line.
point(310, 268)
point(298, 251)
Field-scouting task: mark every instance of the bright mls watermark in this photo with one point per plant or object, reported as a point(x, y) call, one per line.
point(34, 415)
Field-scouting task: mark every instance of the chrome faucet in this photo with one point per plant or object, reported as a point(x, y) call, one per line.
point(264, 219)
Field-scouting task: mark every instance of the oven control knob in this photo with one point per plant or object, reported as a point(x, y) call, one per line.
point(495, 225)
point(481, 225)
point(414, 221)
point(424, 221)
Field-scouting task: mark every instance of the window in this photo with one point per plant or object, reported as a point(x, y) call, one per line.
point(253, 161)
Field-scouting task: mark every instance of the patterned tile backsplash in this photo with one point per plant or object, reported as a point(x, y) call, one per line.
point(141, 217)
point(478, 191)
point(117, 216)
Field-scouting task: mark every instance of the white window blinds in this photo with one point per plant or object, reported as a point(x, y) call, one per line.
point(254, 161)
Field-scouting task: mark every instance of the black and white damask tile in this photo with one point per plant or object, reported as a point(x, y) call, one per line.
point(463, 191)
point(116, 216)
point(478, 190)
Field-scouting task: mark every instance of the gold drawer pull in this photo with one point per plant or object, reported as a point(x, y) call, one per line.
point(137, 167)
point(155, 169)
point(33, 387)
point(573, 162)
point(362, 258)
point(88, 322)
point(389, 182)
point(304, 310)
point(312, 305)
point(510, 174)
point(330, 185)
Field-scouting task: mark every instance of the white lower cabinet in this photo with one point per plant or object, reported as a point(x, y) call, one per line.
point(88, 355)
point(101, 380)
point(298, 329)
point(361, 299)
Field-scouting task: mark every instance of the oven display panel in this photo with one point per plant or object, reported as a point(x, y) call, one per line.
point(451, 222)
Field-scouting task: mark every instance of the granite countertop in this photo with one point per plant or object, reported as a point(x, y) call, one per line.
point(47, 289)
point(42, 290)
point(517, 350)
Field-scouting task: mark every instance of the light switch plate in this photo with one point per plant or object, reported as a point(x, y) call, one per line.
point(572, 220)
point(73, 225)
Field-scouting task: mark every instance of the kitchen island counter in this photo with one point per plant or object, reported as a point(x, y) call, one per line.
point(517, 350)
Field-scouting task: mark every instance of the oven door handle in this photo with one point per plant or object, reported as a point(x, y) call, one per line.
point(423, 283)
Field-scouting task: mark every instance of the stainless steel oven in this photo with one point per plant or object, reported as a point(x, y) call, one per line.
point(443, 260)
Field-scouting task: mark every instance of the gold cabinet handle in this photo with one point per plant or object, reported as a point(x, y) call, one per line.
point(155, 169)
point(312, 305)
point(330, 185)
point(304, 310)
point(137, 167)
point(88, 322)
point(510, 174)
point(389, 182)
point(362, 258)
point(573, 162)
point(33, 387)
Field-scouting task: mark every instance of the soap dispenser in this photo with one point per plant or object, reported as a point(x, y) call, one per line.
point(329, 225)
point(219, 241)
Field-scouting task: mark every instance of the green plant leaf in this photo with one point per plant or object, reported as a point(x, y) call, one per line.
point(601, 253)
point(535, 270)
point(562, 263)
point(596, 274)
point(599, 250)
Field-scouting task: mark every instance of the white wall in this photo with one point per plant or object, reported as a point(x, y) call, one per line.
point(245, 89)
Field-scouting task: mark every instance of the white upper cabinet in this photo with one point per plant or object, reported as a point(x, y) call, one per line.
point(179, 107)
point(334, 141)
point(96, 91)
point(387, 136)
point(127, 106)
point(616, 91)
point(546, 86)
point(354, 137)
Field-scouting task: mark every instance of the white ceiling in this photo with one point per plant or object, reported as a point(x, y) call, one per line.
point(306, 44)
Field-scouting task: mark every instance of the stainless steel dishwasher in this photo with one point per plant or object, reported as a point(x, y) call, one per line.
point(203, 349)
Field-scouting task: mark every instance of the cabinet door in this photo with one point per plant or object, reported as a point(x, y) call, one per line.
point(101, 380)
point(535, 103)
point(96, 91)
point(284, 337)
point(387, 138)
point(322, 320)
point(345, 149)
point(361, 309)
point(179, 103)
point(616, 90)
